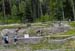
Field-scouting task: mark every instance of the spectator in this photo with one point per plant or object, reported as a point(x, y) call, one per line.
point(6, 40)
point(15, 38)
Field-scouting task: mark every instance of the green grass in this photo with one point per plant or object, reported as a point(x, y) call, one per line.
point(13, 26)
point(72, 24)
point(45, 46)
point(58, 36)
point(61, 35)
point(43, 24)
point(70, 32)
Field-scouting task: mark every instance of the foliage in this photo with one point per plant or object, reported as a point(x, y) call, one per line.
point(32, 32)
point(37, 10)
point(14, 10)
point(44, 18)
point(22, 7)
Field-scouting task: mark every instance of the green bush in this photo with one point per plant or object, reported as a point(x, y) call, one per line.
point(32, 32)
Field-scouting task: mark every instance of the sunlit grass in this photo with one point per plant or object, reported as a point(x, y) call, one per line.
point(72, 24)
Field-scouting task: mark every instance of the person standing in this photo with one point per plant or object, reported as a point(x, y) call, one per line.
point(15, 38)
point(6, 40)
point(16, 35)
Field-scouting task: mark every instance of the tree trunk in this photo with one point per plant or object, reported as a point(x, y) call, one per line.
point(3, 7)
point(41, 9)
point(63, 12)
point(10, 5)
point(73, 8)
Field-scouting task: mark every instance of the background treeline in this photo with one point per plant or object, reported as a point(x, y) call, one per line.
point(22, 11)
